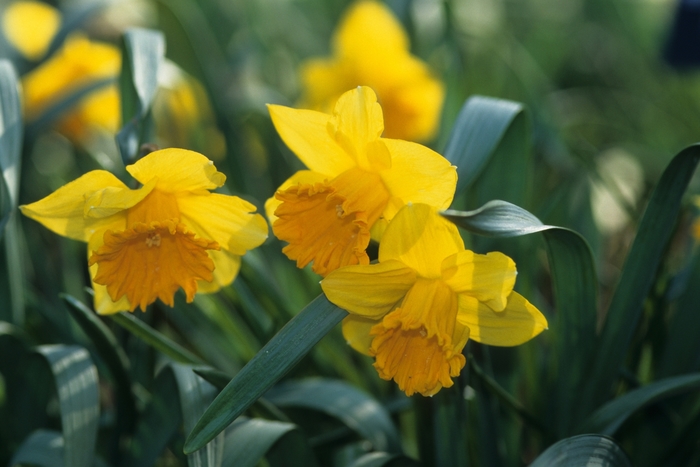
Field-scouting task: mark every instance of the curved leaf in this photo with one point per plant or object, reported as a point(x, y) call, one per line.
point(338, 399)
point(273, 361)
point(607, 419)
point(249, 440)
point(43, 448)
point(383, 459)
point(77, 386)
point(583, 450)
point(575, 289)
point(638, 274)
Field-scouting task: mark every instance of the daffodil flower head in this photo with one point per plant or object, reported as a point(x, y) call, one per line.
point(78, 64)
point(370, 48)
point(30, 26)
point(145, 244)
point(416, 308)
point(356, 181)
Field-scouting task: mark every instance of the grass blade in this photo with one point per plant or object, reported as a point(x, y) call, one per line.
point(583, 450)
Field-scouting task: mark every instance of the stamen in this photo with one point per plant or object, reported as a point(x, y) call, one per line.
point(153, 240)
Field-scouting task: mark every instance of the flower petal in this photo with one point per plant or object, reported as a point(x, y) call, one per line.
point(488, 278)
point(112, 200)
point(306, 133)
point(226, 267)
point(30, 26)
point(177, 170)
point(421, 239)
point(370, 27)
point(302, 177)
point(419, 175)
point(519, 322)
point(356, 332)
point(63, 210)
point(103, 304)
point(370, 291)
point(228, 220)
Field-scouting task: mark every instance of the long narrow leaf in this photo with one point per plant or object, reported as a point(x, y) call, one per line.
point(273, 361)
point(383, 459)
point(583, 450)
point(43, 448)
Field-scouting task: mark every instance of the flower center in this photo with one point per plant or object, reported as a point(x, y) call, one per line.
point(328, 223)
point(419, 344)
point(150, 261)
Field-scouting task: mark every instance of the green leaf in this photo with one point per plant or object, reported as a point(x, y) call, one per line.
point(608, 418)
point(78, 392)
point(43, 448)
point(273, 361)
point(575, 290)
point(488, 135)
point(583, 450)
point(155, 339)
point(383, 459)
point(143, 51)
point(111, 352)
point(338, 399)
point(249, 440)
point(638, 274)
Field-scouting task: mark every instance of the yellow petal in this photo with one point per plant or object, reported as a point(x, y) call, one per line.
point(370, 291)
point(30, 26)
point(370, 27)
point(177, 170)
point(488, 278)
point(112, 200)
point(63, 211)
point(102, 302)
point(419, 175)
point(302, 177)
point(421, 239)
point(356, 122)
point(356, 332)
point(519, 322)
point(226, 267)
point(306, 133)
point(228, 220)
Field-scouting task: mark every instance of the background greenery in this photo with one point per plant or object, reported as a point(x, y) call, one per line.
point(584, 128)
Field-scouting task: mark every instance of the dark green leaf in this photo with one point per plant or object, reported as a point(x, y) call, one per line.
point(583, 450)
point(638, 273)
point(273, 361)
point(43, 448)
point(608, 418)
point(112, 354)
point(575, 289)
point(340, 400)
point(249, 440)
point(155, 339)
point(78, 392)
point(383, 459)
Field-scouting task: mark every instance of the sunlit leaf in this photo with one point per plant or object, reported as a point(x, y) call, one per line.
point(583, 450)
point(43, 448)
point(383, 459)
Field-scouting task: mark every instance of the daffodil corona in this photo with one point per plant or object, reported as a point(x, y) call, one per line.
point(415, 310)
point(370, 48)
point(355, 184)
point(145, 244)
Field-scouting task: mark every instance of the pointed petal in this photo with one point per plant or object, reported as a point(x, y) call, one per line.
point(370, 28)
point(228, 220)
point(306, 133)
point(519, 322)
point(356, 332)
point(302, 177)
point(488, 278)
point(30, 26)
point(112, 200)
point(177, 170)
point(63, 211)
point(370, 291)
point(419, 175)
point(420, 239)
point(103, 304)
point(226, 267)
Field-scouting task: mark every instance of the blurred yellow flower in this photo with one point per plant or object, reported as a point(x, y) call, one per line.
point(370, 48)
point(30, 27)
point(357, 181)
point(146, 243)
point(77, 65)
point(183, 114)
point(415, 310)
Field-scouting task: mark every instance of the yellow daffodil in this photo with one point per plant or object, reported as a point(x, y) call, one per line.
point(370, 48)
point(30, 27)
point(146, 243)
point(357, 181)
point(415, 310)
point(78, 64)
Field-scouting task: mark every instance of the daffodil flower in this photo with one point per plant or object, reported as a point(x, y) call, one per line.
point(145, 244)
point(370, 48)
point(416, 308)
point(357, 181)
point(30, 26)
